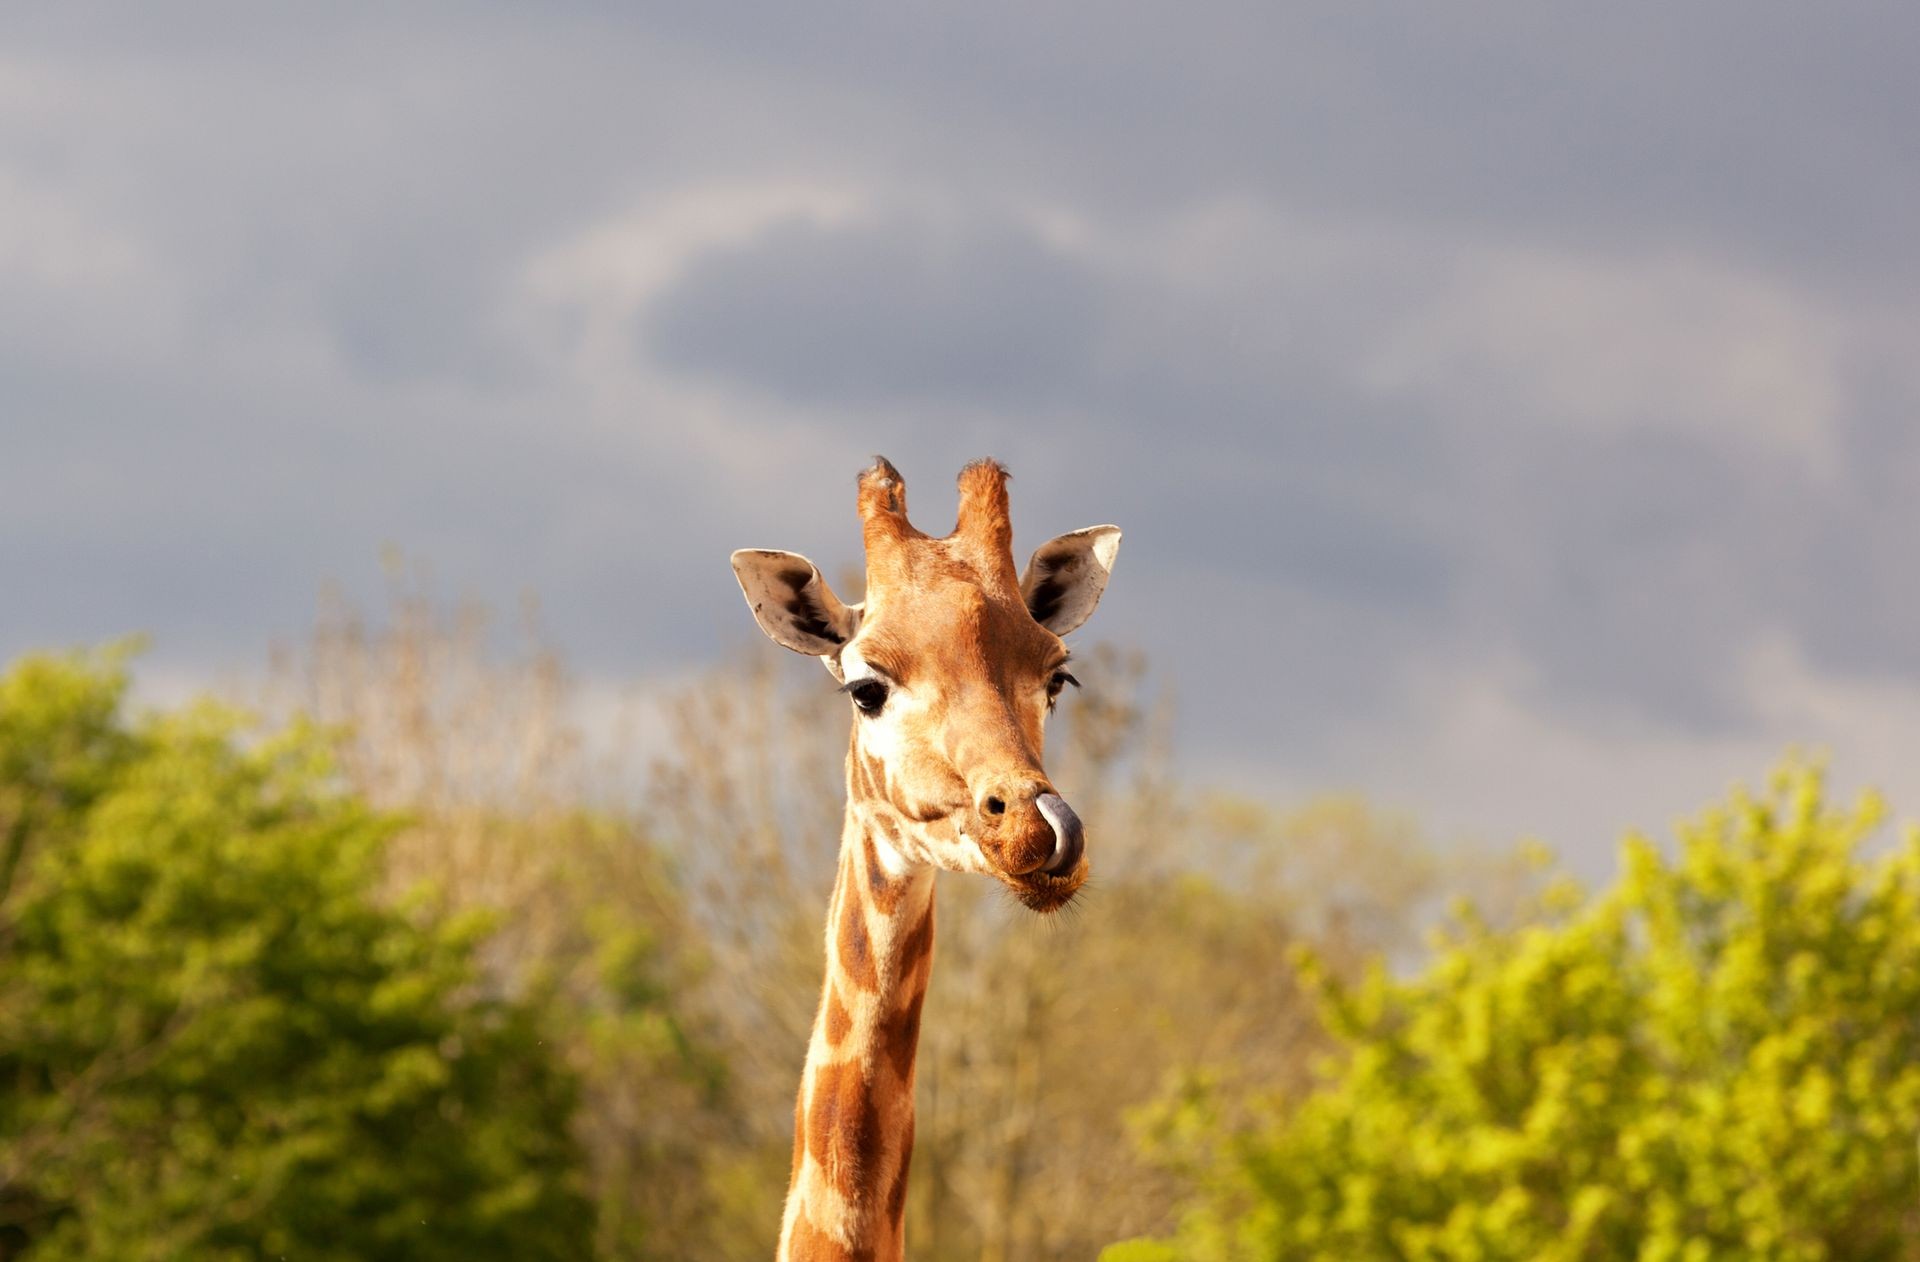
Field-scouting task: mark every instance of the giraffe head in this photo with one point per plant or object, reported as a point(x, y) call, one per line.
point(951, 664)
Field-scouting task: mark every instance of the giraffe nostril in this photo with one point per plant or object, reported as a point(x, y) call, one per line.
point(996, 807)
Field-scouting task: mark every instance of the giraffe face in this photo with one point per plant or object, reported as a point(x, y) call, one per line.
point(950, 691)
point(951, 666)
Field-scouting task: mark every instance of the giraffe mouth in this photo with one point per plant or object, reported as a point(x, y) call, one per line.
point(1044, 894)
point(1052, 885)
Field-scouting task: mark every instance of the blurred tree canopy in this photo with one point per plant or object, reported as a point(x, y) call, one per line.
point(673, 919)
point(1715, 1058)
point(216, 1042)
point(423, 969)
point(509, 815)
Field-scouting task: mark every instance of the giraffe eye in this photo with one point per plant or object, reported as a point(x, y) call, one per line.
point(1057, 683)
point(869, 695)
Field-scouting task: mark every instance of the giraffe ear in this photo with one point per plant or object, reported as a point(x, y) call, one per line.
point(1064, 579)
point(792, 603)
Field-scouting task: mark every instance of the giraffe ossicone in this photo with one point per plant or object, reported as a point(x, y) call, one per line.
point(951, 663)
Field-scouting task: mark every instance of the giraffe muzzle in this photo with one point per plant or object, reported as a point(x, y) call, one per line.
point(1069, 837)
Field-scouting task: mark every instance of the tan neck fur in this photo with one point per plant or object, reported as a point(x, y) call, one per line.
point(853, 1122)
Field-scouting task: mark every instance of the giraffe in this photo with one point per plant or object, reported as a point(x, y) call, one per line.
point(951, 663)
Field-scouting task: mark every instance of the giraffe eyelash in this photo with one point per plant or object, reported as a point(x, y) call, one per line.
point(875, 678)
point(869, 693)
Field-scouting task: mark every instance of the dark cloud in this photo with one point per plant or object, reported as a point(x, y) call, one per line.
point(1231, 276)
point(976, 312)
point(1767, 130)
point(1634, 562)
point(1252, 443)
point(1856, 539)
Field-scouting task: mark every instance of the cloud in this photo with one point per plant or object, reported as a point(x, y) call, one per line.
point(1605, 344)
point(1503, 406)
point(971, 311)
point(1498, 449)
point(1582, 783)
point(1761, 132)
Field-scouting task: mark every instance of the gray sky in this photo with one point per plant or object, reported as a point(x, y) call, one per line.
point(1512, 412)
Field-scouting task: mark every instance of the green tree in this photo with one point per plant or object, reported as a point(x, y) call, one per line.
point(216, 1041)
point(513, 813)
point(1716, 1058)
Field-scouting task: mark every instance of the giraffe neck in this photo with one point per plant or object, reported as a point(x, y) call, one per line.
point(853, 1122)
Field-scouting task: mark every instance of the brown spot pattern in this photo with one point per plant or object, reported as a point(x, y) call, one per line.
point(855, 947)
point(839, 1021)
point(843, 1129)
point(897, 1194)
point(876, 778)
point(885, 890)
point(868, 778)
point(900, 1035)
point(918, 943)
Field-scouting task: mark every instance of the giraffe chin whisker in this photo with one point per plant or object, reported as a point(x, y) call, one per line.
point(1046, 894)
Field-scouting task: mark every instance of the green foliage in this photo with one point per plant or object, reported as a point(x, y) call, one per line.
point(1713, 1059)
point(221, 1039)
point(216, 1042)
